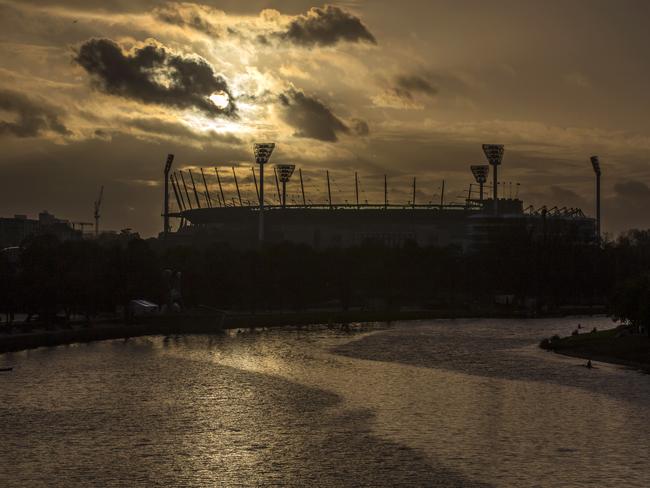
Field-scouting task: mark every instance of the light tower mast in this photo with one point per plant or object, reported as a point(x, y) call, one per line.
point(262, 152)
point(302, 188)
point(168, 166)
point(98, 204)
point(595, 163)
point(494, 155)
point(285, 171)
point(480, 172)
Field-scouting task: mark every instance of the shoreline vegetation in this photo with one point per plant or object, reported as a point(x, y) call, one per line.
point(25, 336)
point(210, 287)
point(617, 346)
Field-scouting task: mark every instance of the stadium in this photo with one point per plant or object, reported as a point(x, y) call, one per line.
point(204, 216)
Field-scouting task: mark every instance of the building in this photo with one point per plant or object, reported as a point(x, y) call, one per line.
point(13, 230)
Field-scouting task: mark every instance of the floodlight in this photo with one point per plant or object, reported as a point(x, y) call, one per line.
point(285, 171)
point(493, 153)
point(263, 152)
point(595, 162)
point(480, 172)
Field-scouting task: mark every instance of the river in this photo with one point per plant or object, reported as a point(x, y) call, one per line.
point(429, 403)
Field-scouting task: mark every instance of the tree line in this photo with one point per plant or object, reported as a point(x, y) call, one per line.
point(50, 278)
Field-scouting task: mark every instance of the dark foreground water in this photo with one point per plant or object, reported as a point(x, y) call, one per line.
point(433, 403)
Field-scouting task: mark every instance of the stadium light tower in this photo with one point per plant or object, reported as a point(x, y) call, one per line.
point(595, 163)
point(284, 172)
point(494, 155)
point(262, 152)
point(480, 172)
point(168, 166)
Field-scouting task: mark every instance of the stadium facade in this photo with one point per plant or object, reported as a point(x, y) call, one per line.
point(343, 226)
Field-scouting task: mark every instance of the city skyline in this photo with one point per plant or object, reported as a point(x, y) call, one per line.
point(91, 96)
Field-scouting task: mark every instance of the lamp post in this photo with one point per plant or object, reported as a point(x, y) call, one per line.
point(262, 152)
point(284, 173)
point(480, 172)
point(494, 155)
point(168, 166)
point(595, 163)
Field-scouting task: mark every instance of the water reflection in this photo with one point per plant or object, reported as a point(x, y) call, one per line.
point(454, 403)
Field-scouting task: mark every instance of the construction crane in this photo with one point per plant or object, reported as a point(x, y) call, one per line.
point(98, 204)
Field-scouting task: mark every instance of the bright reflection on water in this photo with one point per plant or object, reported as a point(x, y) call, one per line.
point(442, 403)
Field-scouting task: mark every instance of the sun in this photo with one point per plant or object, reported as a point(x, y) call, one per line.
point(220, 99)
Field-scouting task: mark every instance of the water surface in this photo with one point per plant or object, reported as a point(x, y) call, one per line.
point(430, 403)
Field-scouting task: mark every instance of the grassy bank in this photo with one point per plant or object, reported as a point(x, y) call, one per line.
point(21, 338)
point(612, 346)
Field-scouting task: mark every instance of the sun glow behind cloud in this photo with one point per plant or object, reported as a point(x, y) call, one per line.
point(220, 99)
point(201, 123)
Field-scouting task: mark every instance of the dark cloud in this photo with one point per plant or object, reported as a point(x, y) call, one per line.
point(157, 129)
point(164, 128)
point(261, 39)
point(561, 196)
point(29, 117)
point(187, 15)
point(409, 85)
point(152, 74)
point(360, 127)
point(627, 207)
point(632, 190)
point(310, 117)
point(325, 27)
point(161, 127)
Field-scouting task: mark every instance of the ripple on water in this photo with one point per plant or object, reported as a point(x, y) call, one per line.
point(129, 414)
point(440, 403)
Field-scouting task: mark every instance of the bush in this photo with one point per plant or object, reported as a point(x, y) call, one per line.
point(550, 344)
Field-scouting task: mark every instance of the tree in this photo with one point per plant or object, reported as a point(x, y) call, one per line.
point(631, 302)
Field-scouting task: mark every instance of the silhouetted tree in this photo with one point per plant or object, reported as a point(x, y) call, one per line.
point(8, 287)
point(631, 302)
point(90, 277)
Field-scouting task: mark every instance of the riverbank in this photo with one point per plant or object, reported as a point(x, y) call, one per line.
point(23, 337)
point(615, 346)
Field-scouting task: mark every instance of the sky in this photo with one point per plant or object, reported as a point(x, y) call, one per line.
point(98, 93)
